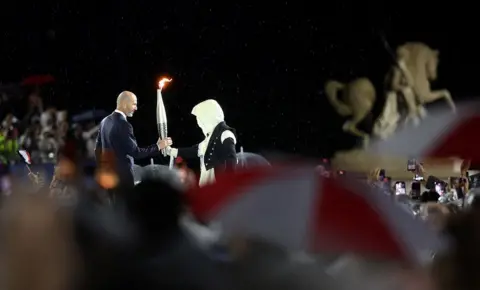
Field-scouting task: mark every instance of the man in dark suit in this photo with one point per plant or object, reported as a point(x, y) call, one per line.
point(117, 147)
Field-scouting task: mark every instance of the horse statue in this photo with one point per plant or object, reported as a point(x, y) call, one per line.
point(358, 98)
point(422, 63)
point(416, 66)
point(410, 79)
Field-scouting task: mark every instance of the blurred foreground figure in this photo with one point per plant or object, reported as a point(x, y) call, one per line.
point(217, 151)
point(435, 214)
point(458, 269)
point(259, 265)
point(165, 257)
point(187, 176)
point(38, 248)
point(356, 272)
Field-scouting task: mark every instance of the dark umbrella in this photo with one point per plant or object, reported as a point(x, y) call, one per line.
point(248, 160)
point(36, 80)
point(158, 172)
point(91, 115)
point(10, 89)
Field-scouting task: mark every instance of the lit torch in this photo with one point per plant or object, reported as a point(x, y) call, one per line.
point(162, 83)
point(162, 115)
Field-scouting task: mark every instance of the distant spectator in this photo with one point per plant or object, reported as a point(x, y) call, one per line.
point(8, 139)
point(48, 146)
point(61, 132)
point(430, 196)
point(86, 139)
point(60, 187)
point(48, 119)
point(9, 125)
point(79, 140)
point(35, 109)
point(61, 117)
point(30, 140)
point(5, 106)
point(39, 129)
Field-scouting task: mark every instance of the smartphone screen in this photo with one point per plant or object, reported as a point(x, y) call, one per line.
point(412, 165)
point(416, 189)
point(400, 188)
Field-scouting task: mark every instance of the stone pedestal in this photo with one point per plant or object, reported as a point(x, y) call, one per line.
point(360, 161)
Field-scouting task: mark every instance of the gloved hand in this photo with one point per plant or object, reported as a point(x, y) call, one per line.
point(171, 151)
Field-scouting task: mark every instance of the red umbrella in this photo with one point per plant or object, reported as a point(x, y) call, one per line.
point(441, 135)
point(295, 208)
point(38, 80)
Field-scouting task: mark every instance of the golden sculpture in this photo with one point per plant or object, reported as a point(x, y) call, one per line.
point(409, 78)
point(422, 63)
point(358, 97)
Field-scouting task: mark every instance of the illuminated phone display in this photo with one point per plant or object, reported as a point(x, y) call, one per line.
point(412, 165)
point(400, 188)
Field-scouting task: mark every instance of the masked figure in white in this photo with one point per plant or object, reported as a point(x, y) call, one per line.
point(217, 151)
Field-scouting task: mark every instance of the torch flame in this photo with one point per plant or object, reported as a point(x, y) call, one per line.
point(162, 82)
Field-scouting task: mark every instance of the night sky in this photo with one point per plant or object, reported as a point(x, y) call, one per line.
point(265, 64)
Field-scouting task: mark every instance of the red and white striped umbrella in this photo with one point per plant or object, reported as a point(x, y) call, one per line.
point(442, 134)
point(295, 208)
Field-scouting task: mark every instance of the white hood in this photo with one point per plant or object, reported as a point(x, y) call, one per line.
point(209, 114)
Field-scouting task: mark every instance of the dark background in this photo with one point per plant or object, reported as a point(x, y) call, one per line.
point(265, 63)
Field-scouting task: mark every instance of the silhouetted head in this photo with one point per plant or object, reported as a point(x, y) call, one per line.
point(473, 199)
point(456, 268)
point(156, 203)
point(127, 103)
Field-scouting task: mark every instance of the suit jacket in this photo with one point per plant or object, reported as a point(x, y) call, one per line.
point(117, 147)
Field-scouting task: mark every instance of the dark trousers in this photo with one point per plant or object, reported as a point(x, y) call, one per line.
point(118, 195)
